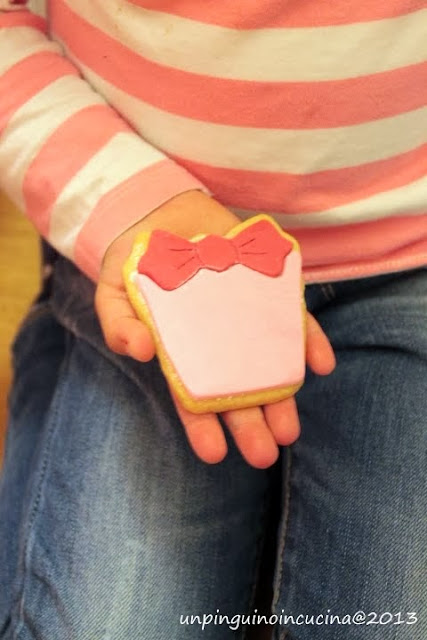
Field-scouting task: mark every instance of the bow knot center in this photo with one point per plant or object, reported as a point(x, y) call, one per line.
point(216, 252)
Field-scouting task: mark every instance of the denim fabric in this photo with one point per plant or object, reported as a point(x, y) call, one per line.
point(111, 529)
point(354, 529)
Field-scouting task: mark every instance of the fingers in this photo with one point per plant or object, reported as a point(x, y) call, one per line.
point(123, 332)
point(248, 428)
point(204, 434)
point(283, 421)
point(319, 353)
point(252, 436)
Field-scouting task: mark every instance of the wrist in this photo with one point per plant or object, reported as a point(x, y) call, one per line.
point(190, 213)
point(187, 214)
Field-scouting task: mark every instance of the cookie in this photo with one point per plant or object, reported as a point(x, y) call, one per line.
point(227, 313)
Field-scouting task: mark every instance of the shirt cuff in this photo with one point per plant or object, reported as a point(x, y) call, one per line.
point(126, 205)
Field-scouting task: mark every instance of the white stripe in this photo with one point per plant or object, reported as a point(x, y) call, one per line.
point(121, 158)
point(281, 55)
point(32, 125)
point(256, 149)
point(38, 6)
point(21, 42)
point(404, 201)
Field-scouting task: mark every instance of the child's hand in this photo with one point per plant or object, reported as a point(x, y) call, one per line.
point(257, 431)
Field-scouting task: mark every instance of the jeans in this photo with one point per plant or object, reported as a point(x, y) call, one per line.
point(111, 528)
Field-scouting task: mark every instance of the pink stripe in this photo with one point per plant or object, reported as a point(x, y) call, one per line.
point(81, 135)
point(410, 258)
point(290, 193)
point(125, 205)
point(294, 105)
point(363, 241)
point(22, 19)
point(277, 13)
point(358, 250)
point(26, 78)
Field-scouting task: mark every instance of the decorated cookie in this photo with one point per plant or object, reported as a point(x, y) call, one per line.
point(227, 313)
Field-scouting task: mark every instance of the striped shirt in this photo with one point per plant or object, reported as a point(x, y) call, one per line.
point(311, 110)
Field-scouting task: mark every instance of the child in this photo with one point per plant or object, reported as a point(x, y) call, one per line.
point(312, 112)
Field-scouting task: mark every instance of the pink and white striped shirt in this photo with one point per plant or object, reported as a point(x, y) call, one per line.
point(313, 111)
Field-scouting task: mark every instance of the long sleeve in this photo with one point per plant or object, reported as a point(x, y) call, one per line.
point(67, 159)
point(300, 109)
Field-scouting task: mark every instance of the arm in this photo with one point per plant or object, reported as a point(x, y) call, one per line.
point(88, 182)
point(67, 159)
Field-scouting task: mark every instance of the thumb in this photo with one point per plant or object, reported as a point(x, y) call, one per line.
point(124, 333)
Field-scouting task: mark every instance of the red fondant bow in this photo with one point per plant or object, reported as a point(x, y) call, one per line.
point(171, 260)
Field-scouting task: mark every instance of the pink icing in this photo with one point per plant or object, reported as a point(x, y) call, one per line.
point(232, 332)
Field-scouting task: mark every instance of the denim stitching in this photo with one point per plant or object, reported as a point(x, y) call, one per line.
point(260, 546)
point(29, 539)
point(325, 288)
point(331, 290)
point(282, 544)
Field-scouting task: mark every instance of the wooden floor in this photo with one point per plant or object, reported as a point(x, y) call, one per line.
point(19, 280)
